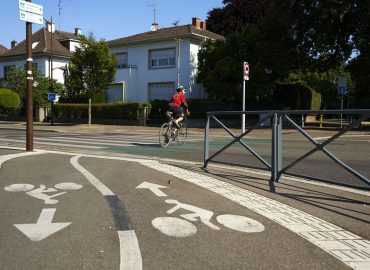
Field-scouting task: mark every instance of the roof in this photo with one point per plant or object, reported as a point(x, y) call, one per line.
point(166, 33)
point(47, 44)
point(2, 49)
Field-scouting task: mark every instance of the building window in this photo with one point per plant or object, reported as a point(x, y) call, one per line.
point(161, 90)
point(122, 60)
point(162, 58)
point(7, 69)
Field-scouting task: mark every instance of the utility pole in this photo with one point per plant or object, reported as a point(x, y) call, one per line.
point(29, 129)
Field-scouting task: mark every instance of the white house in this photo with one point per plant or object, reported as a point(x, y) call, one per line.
point(152, 64)
point(51, 51)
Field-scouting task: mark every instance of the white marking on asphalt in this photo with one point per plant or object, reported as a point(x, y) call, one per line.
point(93, 141)
point(197, 212)
point(357, 249)
point(343, 136)
point(153, 188)
point(19, 187)
point(5, 158)
point(130, 251)
point(56, 144)
point(91, 178)
point(44, 226)
point(130, 254)
point(240, 223)
point(175, 227)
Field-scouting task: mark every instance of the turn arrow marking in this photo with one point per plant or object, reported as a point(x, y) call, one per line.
point(44, 226)
point(153, 188)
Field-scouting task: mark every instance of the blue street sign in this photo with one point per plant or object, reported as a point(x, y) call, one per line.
point(342, 90)
point(52, 96)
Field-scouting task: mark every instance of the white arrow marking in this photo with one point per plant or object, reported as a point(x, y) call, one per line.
point(44, 226)
point(153, 188)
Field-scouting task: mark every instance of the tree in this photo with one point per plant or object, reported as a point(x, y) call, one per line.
point(269, 49)
point(91, 69)
point(16, 80)
point(236, 15)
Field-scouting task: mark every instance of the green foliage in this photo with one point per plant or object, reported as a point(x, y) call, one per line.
point(16, 80)
point(9, 101)
point(99, 97)
point(92, 68)
point(121, 110)
point(236, 15)
point(269, 49)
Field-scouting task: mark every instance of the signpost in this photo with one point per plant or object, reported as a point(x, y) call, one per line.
point(30, 13)
point(245, 78)
point(342, 90)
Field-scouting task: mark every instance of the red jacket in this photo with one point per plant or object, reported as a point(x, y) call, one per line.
point(178, 99)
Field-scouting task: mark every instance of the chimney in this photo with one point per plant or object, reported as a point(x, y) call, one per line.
point(13, 44)
point(78, 31)
point(50, 26)
point(196, 22)
point(154, 27)
point(203, 25)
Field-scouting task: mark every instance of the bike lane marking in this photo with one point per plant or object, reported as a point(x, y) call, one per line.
point(5, 158)
point(130, 255)
point(347, 247)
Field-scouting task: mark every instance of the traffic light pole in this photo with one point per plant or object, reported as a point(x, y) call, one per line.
point(29, 130)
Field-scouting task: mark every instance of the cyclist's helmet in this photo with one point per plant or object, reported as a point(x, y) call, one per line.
point(180, 88)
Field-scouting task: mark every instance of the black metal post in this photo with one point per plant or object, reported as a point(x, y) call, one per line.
point(29, 128)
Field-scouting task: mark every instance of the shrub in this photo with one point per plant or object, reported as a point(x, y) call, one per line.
point(9, 101)
point(120, 110)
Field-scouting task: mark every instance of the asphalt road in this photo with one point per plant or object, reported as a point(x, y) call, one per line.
point(70, 211)
point(353, 149)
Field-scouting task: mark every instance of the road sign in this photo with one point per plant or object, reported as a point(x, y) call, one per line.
point(30, 17)
point(342, 90)
point(52, 96)
point(246, 70)
point(30, 7)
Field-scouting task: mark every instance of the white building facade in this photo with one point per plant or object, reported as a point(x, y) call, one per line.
point(152, 64)
point(51, 52)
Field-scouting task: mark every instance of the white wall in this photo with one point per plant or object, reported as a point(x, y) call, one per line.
point(137, 85)
point(42, 65)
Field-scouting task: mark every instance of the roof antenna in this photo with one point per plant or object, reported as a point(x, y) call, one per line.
point(154, 24)
point(59, 9)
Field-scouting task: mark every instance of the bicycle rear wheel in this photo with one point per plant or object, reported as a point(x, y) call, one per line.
point(182, 133)
point(164, 135)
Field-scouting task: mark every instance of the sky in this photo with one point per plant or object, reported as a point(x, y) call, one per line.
point(106, 19)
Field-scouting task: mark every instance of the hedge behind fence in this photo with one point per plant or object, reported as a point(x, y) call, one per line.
point(122, 110)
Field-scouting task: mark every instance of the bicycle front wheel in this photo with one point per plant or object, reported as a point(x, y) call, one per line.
point(182, 133)
point(165, 135)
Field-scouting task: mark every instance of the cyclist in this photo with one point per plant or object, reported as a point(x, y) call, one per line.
point(177, 101)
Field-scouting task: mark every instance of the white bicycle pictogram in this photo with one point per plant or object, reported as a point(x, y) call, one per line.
point(40, 192)
point(177, 227)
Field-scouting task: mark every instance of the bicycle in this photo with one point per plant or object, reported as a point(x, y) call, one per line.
point(169, 132)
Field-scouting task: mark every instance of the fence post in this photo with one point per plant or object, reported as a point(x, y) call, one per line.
point(89, 112)
point(206, 142)
point(276, 153)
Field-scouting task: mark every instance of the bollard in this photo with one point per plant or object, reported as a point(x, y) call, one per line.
point(321, 117)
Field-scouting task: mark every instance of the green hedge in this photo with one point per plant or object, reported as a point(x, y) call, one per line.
point(198, 107)
point(9, 101)
point(121, 110)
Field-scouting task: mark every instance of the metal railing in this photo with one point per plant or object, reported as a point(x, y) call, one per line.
point(276, 166)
